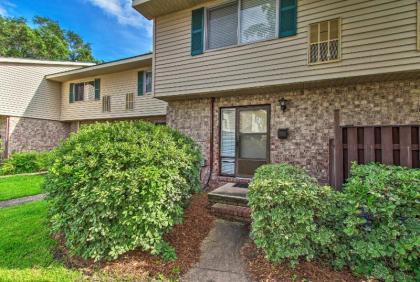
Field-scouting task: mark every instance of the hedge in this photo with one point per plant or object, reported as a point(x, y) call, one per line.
point(115, 187)
point(290, 213)
point(372, 226)
point(380, 212)
point(25, 162)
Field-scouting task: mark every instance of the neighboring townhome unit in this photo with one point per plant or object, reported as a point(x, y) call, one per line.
point(319, 84)
point(118, 90)
point(30, 106)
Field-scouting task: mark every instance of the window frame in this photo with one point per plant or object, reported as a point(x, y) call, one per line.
point(339, 42)
point(238, 34)
point(85, 95)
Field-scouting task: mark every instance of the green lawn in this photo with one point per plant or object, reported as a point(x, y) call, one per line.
point(20, 186)
point(26, 250)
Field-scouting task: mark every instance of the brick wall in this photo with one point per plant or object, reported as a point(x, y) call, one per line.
point(27, 134)
point(309, 117)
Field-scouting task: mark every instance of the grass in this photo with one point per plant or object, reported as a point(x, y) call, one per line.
point(20, 186)
point(26, 249)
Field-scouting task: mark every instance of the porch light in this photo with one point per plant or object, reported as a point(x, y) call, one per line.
point(283, 104)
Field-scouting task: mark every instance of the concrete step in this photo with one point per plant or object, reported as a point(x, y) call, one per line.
point(231, 212)
point(229, 194)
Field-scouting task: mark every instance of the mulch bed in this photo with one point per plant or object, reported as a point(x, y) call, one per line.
point(262, 270)
point(186, 238)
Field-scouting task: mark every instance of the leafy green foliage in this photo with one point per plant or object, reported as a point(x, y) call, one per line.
point(115, 187)
point(25, 162)
point(379, 222)
point(47, 40)
point(372, 226)
point(290, 213)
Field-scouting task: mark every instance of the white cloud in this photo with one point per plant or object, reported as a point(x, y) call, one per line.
point(3, 11)
point(124, 13)
point(4, 5)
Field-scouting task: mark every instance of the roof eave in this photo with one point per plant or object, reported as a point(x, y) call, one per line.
point(143, 61)
point(154, 8)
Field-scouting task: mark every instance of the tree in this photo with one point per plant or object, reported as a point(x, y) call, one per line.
point(47, 40)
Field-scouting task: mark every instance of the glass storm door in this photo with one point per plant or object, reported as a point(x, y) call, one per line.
point(244, 140)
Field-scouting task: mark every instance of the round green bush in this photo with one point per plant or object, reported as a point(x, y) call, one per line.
point(115, 187)
point(290, 213)
point(379, 222)
point(25, 162)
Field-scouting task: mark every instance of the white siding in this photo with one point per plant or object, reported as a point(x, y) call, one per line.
point(378, 36)
point(116, 85)
point(24, 92)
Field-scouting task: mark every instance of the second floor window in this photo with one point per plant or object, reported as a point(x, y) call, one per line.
point(324, 42)
point(148, 80)
point(242, 21)
point(129, 101)
point(106, 104)
point(79, 91)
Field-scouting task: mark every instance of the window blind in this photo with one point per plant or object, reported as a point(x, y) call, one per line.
point(228, 140)
point(258, 20)
point(223, 26)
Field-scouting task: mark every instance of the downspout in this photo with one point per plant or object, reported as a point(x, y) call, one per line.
point(211, 158)
point(6, 139)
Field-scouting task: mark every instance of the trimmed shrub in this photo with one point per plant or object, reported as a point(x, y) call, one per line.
point(115, 187)
point(25, 162)
point(379, 222)
point(290, 213)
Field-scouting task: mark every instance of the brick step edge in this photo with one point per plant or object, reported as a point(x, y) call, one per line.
point(230, 212)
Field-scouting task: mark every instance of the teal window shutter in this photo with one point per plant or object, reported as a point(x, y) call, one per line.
point(197, 32)
point(71, 93)
point(288, 18)
point(97, 89)
point(140, 83)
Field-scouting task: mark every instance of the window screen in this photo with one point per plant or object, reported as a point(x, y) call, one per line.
point(258, 20)
point(324, 38)
point(222, 29)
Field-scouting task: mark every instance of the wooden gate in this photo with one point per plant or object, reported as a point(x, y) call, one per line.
point(392, 145)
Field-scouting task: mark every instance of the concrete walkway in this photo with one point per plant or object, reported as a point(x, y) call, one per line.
point(23, 200)
point(220, 259)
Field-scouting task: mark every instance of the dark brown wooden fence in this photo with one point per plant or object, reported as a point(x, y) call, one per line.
point(397, 145)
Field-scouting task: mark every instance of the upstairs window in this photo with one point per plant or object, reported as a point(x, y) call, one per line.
point(222, 26)
point(246, 21)
point(106, 104)
point(258, 20)
point(79, 91)
point(85, 91)
point(149, 81)
point(324, 42)
point(144, 82)
point(129, 101)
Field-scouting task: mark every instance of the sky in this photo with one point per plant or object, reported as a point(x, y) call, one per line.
point(114, 29)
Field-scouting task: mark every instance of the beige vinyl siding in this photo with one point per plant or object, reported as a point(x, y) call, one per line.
point(24, 91)
point(378, 36)
point(116, 85)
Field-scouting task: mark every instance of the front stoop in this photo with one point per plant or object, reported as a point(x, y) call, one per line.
point(232, 213)
point(230, 202)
